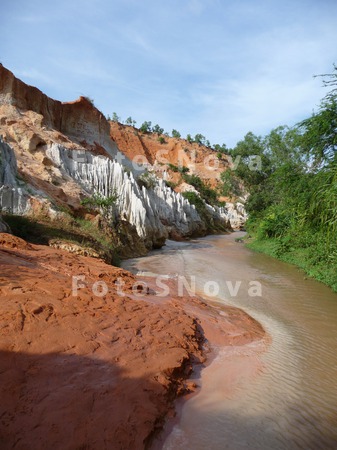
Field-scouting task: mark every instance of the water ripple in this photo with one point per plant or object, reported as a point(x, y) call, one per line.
point(290, 401)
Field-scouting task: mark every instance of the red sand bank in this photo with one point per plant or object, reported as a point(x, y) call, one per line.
point(95, 372)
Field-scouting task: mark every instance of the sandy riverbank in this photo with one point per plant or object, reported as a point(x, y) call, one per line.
point(95, 372)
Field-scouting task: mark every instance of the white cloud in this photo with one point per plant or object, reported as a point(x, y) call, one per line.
point(216, 67)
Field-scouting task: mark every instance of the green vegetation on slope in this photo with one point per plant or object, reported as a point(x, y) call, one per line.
point(206, 193)
point(291, 175)
point(81, 232)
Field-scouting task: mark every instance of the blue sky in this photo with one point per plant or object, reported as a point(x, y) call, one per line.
point(216, 67)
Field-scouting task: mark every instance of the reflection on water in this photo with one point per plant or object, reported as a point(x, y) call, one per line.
point(282, 398)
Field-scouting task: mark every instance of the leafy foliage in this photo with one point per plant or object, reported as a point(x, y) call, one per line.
point(145, 127)
point(179, 169)
point(293, 194)
point(86, 234)
point(320, 132)
point(195, 200)
point(200, 139)
point(230, 184)
point(157, 129)
point(115, 117)
point(208, 194)
point(100, 201)
point(130, 121)
point(147, 179)
point(171, 184)
point(221, 148)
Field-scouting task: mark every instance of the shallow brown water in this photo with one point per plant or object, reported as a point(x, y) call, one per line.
point(280, 395)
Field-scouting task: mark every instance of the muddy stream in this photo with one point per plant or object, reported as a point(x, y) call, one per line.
point(276, 394)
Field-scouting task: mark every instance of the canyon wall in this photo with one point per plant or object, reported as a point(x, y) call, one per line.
point(54, 154)
point(14, 197)
point(154, 212)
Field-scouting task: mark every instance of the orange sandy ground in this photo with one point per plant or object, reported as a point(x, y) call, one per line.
point(88, 372)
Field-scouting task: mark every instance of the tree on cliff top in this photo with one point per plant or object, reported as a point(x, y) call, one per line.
point(130, 121)
point(145, 127)
point(115, 117)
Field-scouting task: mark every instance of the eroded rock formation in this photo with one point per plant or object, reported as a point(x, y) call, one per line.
point(53, 154)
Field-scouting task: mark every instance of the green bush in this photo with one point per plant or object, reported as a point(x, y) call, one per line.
point(195, 200)
point(115, 117)
point(100, 201)
point(200, 139)
point(147, 179)
point(179, 169)
point(171, 184)
point(157, 129)
point(42, 230)
point(145, 127)
point(129, 121)
point(107, 205)
point(275, 223)
point(207, 193)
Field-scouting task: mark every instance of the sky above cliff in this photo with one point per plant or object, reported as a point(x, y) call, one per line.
point(216, 67)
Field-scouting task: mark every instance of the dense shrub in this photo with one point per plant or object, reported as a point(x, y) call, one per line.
point(147, 179)
point(179, 169)
point(207, 193)
point(293, 194)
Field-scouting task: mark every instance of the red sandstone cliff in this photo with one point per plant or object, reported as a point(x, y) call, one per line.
point(77, 121)
point(201, 160)
point(88, 371)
